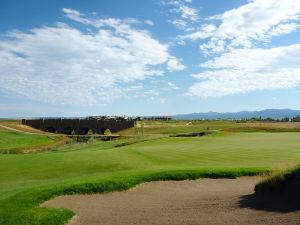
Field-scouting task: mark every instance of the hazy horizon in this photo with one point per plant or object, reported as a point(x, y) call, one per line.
point(148, 115)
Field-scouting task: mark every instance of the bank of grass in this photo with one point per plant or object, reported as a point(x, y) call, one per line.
point(24, 208)
point(279, 182)
point(16, 142)
point(17, 124)
point(26, 139)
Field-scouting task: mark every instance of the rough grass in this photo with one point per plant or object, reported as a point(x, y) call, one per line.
point(175, 127)
point(280, 181)
point(184, 127)
point(26, 139)
point(14, 142)
point(16, 124)
point(265, 128)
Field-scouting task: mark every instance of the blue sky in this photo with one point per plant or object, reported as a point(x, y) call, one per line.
point(163, 57)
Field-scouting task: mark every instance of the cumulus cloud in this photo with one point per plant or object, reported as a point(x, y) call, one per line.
point(245, 70)
point(283, 29)
point(62, 64)
point(235, 62)
point(258, 20)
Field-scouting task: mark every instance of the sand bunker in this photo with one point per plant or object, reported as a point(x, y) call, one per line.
point(203, 201)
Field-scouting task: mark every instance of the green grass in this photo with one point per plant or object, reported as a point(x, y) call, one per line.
point(175, 127)
point(27, 180)
point(14, 142)
point(280, 181)
point(26, 139)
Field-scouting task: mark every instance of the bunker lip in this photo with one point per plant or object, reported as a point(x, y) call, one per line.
point(203, 201)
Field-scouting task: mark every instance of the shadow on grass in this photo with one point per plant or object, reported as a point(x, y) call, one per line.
point(272, 202)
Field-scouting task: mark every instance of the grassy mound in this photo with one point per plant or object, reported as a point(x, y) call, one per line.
point(283, 182)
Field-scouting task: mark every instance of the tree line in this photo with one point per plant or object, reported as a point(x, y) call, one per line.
point(269, 119)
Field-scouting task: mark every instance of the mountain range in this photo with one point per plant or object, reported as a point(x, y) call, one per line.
point(267, 113)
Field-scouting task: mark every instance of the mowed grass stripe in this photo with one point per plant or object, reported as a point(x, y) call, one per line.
point(234, 150)
point(258, 147)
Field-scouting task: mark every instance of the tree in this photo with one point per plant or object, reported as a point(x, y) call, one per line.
point(296, 119)
point(285, 119)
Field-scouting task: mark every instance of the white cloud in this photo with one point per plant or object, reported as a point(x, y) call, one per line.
point(98, 22)
point(62, 64)
point(80, 17)
point(258, 20)
point(172, 85)
point(75, 15)
point(244, 70)
point(179, 24)
point(184, 13)
point(149, 22)
point(283, 29)
point(237, 65)
point(188, 12)
point(206, 31)
point(175, 65)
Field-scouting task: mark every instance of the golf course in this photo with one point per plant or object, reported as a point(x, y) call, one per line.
point(37, 166)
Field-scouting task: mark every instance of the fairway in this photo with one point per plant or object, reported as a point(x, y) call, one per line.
point(26, 180)
point(222, 151)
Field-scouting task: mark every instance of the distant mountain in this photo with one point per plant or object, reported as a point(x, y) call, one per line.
point(272, 113)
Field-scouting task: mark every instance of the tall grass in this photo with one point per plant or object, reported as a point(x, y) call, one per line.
point(279, 181)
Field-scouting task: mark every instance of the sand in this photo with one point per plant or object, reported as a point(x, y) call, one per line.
point(203, 201)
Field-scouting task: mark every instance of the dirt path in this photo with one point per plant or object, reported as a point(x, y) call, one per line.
point(199, 202)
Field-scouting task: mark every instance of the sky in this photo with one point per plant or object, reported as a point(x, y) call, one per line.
point(151, 57)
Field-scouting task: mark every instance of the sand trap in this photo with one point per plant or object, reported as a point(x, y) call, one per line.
point(203, 201)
